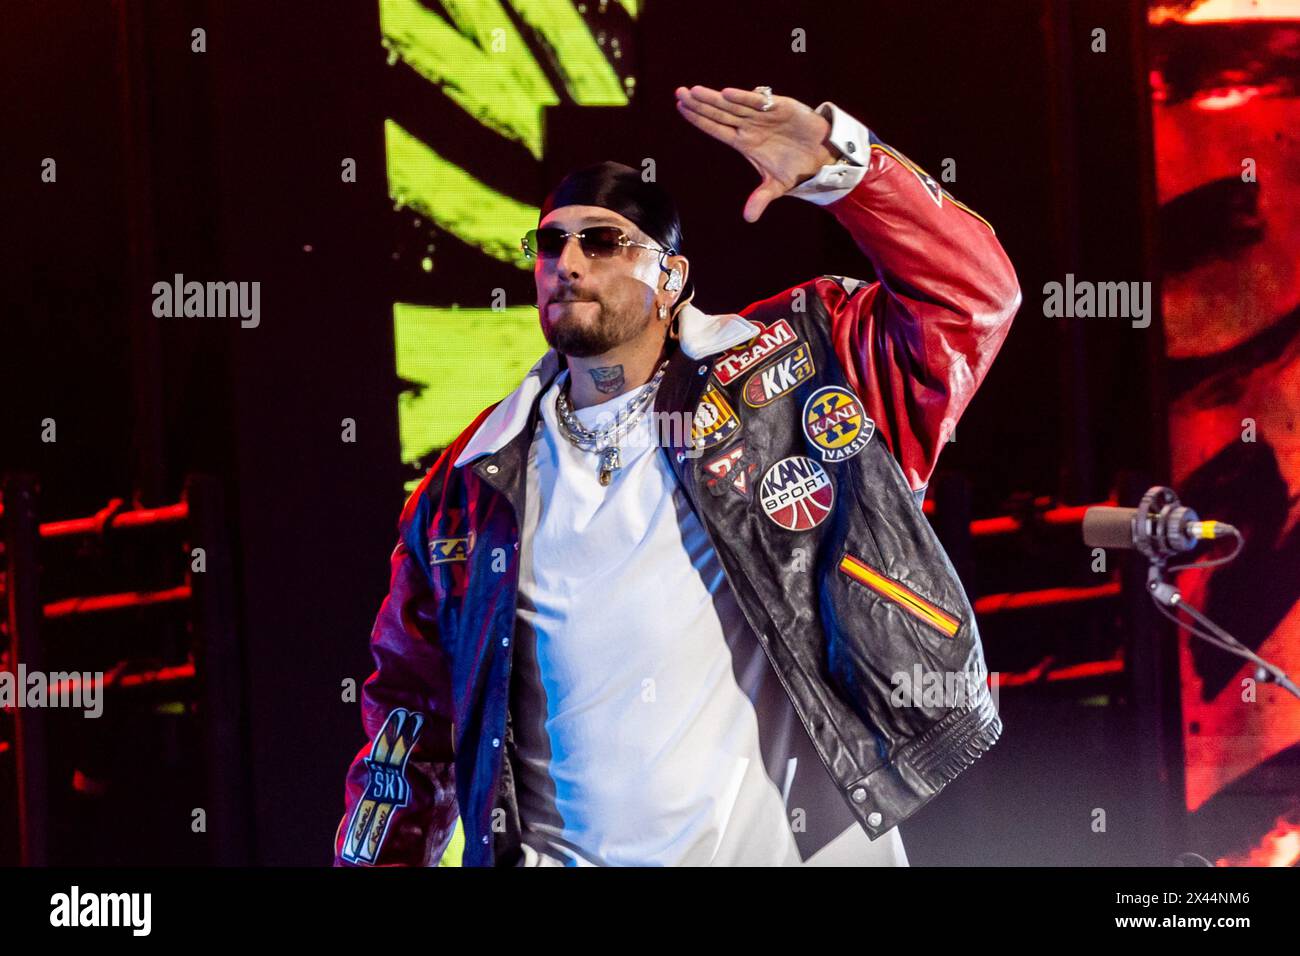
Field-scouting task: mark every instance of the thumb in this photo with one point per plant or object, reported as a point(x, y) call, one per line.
point(767, 190)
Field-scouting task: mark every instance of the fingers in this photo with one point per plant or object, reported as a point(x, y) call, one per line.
point(752, 101)
point(719, 131)
point(699, 97)
point(698, 106)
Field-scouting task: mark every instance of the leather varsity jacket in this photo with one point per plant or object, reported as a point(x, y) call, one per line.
point(816, 419)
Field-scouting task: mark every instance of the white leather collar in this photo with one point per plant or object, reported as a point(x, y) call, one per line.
point(699, 334)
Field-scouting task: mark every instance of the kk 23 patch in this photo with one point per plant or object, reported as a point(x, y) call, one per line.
point(835, 423)
point(777, 378)
point(387, 790)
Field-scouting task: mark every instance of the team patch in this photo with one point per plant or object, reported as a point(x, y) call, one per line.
point(796, 493)
point(769, 340)
point(715, 420)
point(772, 381)
point(386, 788)
point(445, 550)
point(835, 423)
point(730, 470)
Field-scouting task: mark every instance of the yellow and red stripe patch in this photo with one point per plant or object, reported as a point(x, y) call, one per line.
point(908, 600)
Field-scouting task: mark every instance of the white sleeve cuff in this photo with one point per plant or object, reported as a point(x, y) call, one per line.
point(836, 180)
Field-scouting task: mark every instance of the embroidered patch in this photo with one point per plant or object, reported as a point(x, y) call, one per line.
point(796, 493)
point(730, 470)
point(930, 184)
point(772, 381)
point(445, 550)
point(386, 788)
point(715, 420)
point(769, 340)
point(836, 424)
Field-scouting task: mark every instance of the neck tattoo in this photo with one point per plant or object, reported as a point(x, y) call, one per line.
point(608, 379)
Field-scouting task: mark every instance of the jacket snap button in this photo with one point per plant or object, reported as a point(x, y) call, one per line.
point(704, 369)
point(496, 741)
point(505, 642)
point(491, 469)
point(859, 794)
point(485, 839)
point(851, 146)
point(874, 819)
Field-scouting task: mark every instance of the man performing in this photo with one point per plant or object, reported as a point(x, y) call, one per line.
point(611, 641)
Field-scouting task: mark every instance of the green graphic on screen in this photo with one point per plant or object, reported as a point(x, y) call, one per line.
point(460, 357)
point(500, 64)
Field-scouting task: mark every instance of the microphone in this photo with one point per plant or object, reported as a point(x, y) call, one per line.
point(1169, 530)
point(1160, 527)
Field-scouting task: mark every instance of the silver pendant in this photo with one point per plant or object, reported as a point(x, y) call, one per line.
point(609, 464)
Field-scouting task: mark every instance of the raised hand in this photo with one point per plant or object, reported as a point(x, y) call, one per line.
point(785, 144)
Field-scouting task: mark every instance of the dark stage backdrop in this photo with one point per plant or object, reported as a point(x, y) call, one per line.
point(372, 166)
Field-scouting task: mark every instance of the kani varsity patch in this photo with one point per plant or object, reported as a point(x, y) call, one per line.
point(836, 424)
point(769, 340)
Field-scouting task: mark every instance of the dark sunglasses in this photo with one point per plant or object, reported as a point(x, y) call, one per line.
point(596, 242)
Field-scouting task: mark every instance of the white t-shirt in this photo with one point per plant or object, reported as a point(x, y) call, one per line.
point(650, 728)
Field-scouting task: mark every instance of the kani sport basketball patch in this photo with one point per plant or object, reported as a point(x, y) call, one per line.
point(796, 493)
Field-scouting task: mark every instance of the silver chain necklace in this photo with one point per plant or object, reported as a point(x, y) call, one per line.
point(605, 442)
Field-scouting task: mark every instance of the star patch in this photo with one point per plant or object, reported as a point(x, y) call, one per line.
point(715, 420)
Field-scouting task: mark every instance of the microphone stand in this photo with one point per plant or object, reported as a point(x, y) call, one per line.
point(1152, 543)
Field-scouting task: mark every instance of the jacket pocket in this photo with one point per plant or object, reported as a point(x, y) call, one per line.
point(891, 590)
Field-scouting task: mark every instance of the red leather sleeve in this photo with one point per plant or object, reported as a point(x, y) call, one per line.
point(917, 343)
point(400, 791)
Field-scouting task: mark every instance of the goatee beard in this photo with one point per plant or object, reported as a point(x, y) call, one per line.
point(570, 337)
